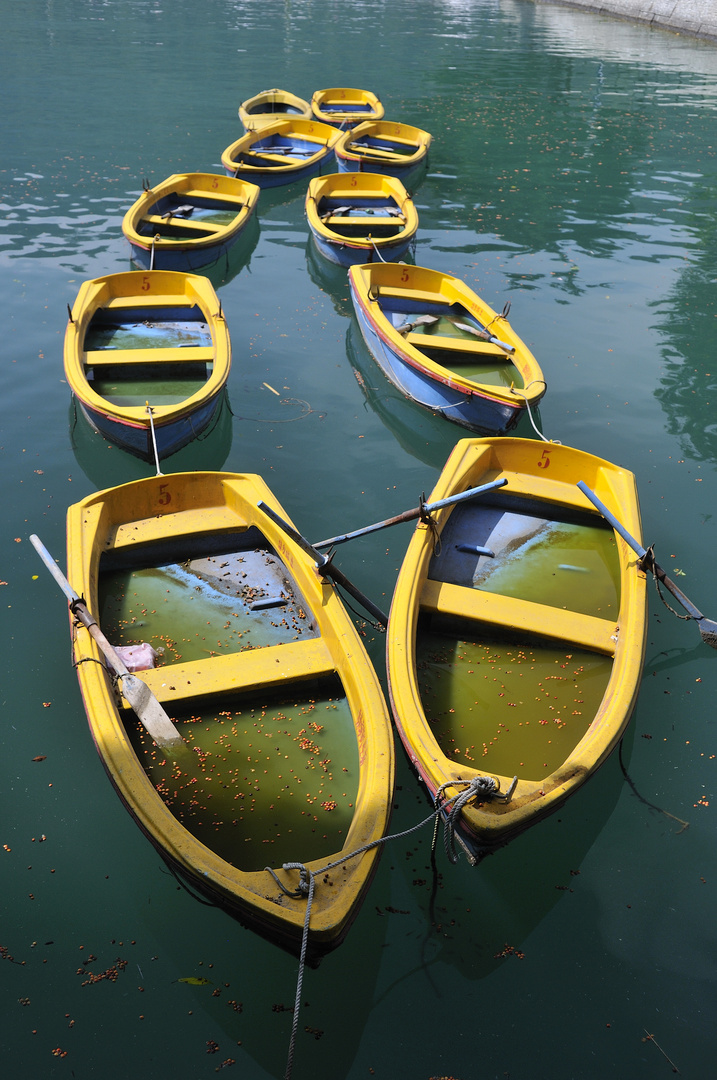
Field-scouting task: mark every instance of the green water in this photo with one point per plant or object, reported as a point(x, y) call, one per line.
point(515, 707)
point(560, 564)
point(573, 172)
point(270, 781)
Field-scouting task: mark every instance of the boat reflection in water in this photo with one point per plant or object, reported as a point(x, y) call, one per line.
point(106, 465)
point(425, 435)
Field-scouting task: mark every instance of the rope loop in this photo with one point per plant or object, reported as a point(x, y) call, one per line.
point(305, 880)
point(480, 788)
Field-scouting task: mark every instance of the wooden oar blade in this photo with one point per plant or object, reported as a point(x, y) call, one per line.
point(151, 713)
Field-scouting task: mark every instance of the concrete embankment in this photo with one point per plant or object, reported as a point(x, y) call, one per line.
point(695, 17)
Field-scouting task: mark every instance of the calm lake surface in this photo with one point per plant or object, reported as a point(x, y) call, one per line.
point(573, 172)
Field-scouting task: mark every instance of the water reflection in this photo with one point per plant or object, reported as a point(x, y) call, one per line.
point(106, 465)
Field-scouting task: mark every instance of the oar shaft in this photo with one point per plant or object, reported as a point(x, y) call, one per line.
point(641, 551)
point(411, 515)
point(79, 607)
point(135, 692)
point(325, 566)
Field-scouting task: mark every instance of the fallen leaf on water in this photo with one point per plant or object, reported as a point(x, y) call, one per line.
point(193, 981)
point(40, 757)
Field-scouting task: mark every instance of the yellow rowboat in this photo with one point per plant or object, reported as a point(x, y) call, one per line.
point(289, 754)
point(281, 152)
point(356, 217)
point(270, 105)
point(517, 634)
point(189, 220)
point(345, 107)
point(444, 347)
point(382, 146)
point(147, 356)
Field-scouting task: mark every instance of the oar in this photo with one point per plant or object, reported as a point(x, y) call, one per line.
point(137, 693)
point(421, 320)
point(325, 566)
point(706, 627)
point(411, 515)
point(485, 335)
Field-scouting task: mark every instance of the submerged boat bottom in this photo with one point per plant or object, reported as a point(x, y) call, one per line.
point(502, 703)
point(266, 779)
point(270, 776)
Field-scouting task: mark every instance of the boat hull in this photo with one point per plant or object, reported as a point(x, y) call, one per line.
point(281, 152)
point(189, 220)
point(136, 439)
point(289, 754)
point(383, 147)
point(344, 107)
point(495, 658)
point(269, 105)
point(359, 217)
point(437, 386)
point(147, 350)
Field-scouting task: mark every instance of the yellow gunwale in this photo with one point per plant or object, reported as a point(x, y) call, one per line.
point(477, 461)
point(188, 504)
point(432, 286)
point(252, 121)
point(389, 129)
point(225, 189)
point(150, 289)
point(312, 130)
point(351, 185)
point(335, 95)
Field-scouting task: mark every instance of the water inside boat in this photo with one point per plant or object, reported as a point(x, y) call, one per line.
point(346, 107)
point(503, 704)
point(274, 776)
point(381, 146)
point(386, 218)
point(447, 323)
point(272, 779)
point(570, 564)
point(503, 701)
point(279, 107)
point(287, 149)
point(177, 208)
point(162, 328)
point(162, 383)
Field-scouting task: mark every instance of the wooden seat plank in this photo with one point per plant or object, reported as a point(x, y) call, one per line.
point(186, 355)
point(456, 344)
point(522, 616)
point(247, 671)
point(181, 222)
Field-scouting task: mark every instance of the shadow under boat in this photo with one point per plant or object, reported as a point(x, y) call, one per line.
point(106, 465)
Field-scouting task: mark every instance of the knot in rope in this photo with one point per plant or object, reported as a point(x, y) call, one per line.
point(479, 787)
point(305, 880)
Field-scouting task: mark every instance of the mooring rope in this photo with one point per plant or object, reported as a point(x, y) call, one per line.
point(479, 787)
point(524, 395)
point(373, 245)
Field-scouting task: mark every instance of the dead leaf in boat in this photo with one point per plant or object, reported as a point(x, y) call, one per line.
point(193, 981)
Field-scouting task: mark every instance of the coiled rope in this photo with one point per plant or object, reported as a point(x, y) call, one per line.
point(480, 787)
